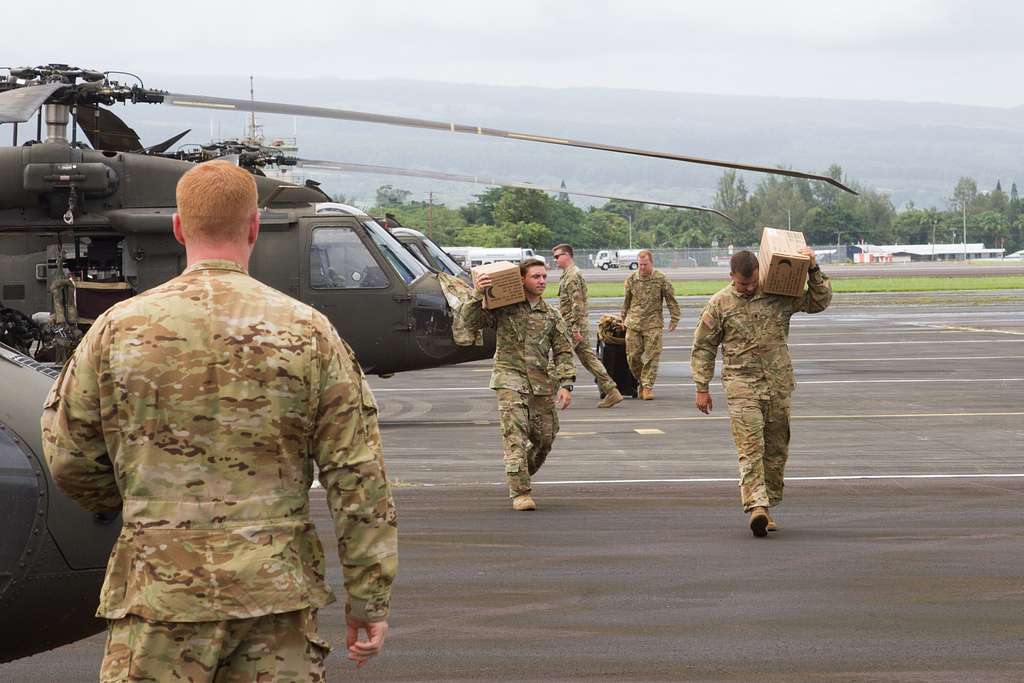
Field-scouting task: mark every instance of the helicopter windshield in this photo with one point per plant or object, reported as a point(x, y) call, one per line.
point(442, 259)
point(404, 263)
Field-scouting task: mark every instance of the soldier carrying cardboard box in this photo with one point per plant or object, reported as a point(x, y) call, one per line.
point(532, 360)
point(752, 327)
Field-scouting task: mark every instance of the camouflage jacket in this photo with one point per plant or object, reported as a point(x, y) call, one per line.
point(198, 409)
point(753, 334)
point(527, 337)
point(572, 299)
point(641, 308)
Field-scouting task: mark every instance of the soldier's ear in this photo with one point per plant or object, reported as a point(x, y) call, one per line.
point(176, 226)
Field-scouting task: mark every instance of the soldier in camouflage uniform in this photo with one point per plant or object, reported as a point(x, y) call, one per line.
point(644, 321)
point(752, 328)
point(572, 301)
point(198, 409)
point(529, 335)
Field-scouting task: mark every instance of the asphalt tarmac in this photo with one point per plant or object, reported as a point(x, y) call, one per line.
point(900, 555)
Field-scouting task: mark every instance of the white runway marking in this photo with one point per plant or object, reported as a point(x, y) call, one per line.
point(702, 480)
point(888, 343)
point(709, 418)
point(962, 328)
point(902, 359)
point(729, 480)
point(799, 383)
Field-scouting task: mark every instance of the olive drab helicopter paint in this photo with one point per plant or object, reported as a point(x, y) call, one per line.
point(82, 228)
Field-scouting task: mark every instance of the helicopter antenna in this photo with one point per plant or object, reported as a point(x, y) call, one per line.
point(252, 98)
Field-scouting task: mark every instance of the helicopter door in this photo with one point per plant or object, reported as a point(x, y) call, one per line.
point(347, 279)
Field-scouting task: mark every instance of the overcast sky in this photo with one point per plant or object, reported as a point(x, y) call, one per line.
point(914, 50)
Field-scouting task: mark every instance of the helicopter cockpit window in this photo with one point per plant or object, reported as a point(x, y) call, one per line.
point(400, 259)
point(339, 260)
point(442, 259)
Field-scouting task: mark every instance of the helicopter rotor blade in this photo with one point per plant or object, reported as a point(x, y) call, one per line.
point(204, 102)
point(162, 147)
point(455, 177)
point(106, 130)
point(18, 105)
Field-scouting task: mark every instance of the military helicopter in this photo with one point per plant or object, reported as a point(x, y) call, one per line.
point(85, 228)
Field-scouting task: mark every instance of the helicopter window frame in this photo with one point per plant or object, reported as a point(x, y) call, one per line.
point(446, 262)
point(361, 273)
point(405, 263)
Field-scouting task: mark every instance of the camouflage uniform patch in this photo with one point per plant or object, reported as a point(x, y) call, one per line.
point(532, 359)
point(572, 301)
point(198, 409)
point(528, 424)
point(757, 374)
point(643, 353)
point(275, 648)
point(643, 316)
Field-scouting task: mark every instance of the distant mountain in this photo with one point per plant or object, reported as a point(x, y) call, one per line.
point(912, 151)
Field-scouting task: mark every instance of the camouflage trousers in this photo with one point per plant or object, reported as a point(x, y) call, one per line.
point(278, 648)
point(528, 427)
point(589, 360)
point(760, 429)
point(643, 351)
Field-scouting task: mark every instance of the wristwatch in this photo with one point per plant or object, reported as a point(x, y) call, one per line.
point(567, 387)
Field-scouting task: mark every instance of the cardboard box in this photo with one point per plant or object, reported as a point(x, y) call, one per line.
point(782, 269)
point(506, 284)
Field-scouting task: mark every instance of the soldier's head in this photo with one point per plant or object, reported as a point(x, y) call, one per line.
point(535, 277)
point(743, 272)
point(645, 262)
point(563, 255)
point(216, 206)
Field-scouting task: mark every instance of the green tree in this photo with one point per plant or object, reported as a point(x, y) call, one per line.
point(481, 211)
point(523, 206)
point(388, 196)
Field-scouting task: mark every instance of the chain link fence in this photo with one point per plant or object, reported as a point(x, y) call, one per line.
point(712, 257)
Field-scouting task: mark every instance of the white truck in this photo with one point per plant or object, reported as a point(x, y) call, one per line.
point(616, 258)
point(467, 257)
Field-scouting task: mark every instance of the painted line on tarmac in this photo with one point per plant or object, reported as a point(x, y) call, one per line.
point(963, 328)
point(715, 480)
point(887, 343)
point(799, 383)
point(902, 358)
point(707, 418)
point(723, 480)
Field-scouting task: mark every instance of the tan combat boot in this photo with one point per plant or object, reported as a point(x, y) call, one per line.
point(523, 503)
point(610, 399)
point(771, 522)
point(647, 393)
point(759, 522)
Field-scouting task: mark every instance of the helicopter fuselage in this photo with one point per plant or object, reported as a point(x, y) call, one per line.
point(104, 218)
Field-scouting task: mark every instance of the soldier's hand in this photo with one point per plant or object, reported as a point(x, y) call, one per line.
point(483, 282)
point(360, 651)
point(577, 337)
point(807, 251)
point(704, 402)
point(672, 327)
point(564, 398)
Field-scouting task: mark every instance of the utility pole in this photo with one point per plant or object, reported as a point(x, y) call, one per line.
point(965, 229)
point(430, 215)
point(630, 217)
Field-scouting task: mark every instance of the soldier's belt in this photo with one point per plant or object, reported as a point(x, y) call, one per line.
point(221, 514)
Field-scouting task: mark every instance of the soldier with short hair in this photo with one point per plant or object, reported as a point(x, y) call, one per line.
point(752, 327)
point(197, 409)
point(642, 315)
point(572, 300)
point(532, 361)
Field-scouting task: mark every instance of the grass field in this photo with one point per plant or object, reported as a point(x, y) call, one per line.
point(861, 284)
